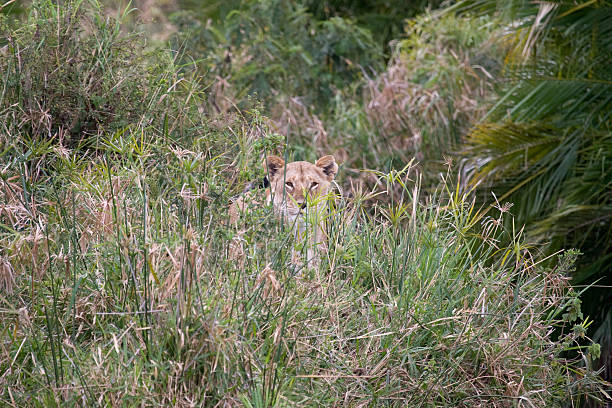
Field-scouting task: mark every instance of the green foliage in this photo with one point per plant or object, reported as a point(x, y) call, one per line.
point(73, 76)
point(325, 87)
point(437, 84)
point(383, 18)
point(11, 8)
point(546, 143)
point(273, 46)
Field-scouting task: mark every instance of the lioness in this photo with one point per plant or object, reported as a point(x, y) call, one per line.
point(298, 192)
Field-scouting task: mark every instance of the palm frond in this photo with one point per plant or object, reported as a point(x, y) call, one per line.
point(571, 101)
point(547, 142)
point(523, 157)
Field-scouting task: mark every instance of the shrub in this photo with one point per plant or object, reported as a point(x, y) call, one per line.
point(438, 83)
point(72, 75)
point(274, 47)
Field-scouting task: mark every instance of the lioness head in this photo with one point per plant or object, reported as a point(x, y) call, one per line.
point(296, 185)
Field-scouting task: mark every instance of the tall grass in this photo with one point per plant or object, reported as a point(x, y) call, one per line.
point(120, 286)
point(124, 293)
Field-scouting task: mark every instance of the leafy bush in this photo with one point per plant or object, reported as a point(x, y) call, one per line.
point(384, 19)
point(273, 46)
point(72, 75)
point(326, 90)
point(438, 83)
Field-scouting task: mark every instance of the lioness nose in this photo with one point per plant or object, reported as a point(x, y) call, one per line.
point(303, 205)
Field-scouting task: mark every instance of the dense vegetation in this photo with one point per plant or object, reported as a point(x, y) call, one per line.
point(546, 144)
point(121, 145)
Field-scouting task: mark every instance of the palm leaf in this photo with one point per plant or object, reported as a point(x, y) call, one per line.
point(547, 142)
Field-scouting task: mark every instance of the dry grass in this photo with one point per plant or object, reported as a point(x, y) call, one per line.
point(137, 280)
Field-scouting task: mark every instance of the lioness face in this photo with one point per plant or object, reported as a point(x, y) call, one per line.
point(299, 185)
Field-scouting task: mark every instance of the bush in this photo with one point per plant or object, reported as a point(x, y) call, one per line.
point(438, 83)
point(71, 75)
point(272, 47)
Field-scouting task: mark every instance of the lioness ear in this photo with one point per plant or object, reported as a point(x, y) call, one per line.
point(329, 166)
point(272, 165)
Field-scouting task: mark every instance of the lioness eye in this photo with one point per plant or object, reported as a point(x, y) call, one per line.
point(289, 184)
point(314, 184)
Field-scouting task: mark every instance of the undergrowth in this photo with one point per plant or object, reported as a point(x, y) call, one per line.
point(120, 288)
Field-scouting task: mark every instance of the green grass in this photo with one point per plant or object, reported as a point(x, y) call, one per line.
point(121, 285)
point(124, 293)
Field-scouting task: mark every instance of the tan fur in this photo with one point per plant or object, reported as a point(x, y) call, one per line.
point(298, 192)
